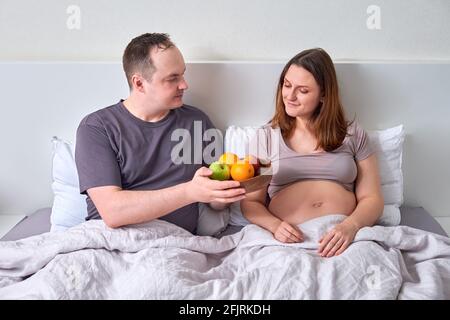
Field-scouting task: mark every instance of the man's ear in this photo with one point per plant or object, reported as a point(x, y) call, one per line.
point(137, 82)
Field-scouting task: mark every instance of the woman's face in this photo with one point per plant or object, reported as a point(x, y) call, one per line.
point(300, 92)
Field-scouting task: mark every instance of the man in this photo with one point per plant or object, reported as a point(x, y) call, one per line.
point(123, 152)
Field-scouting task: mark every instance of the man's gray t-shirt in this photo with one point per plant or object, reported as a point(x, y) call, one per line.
point(115, 148)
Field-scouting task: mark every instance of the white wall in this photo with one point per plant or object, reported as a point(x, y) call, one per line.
point(227, 29)
point(53, 97)
point(250, 30)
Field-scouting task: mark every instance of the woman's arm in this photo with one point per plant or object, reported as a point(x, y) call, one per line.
point(254, 210)
point(370, 204)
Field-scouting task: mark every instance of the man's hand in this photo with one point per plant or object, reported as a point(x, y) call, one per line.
point(285, 232)
point(203, 189)
point(338, 239)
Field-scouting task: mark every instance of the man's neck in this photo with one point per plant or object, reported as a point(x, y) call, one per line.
point(143, 111)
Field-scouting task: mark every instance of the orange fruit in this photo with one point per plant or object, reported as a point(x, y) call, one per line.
point(228, 158)
point(241, 171)
point(254, 161)
point(250, 159)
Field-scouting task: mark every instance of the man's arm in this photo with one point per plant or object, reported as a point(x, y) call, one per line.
point(119, 207)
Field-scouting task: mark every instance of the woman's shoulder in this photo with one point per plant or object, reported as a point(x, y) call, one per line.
point(266, 137)
point(357, 138)
point(355, 130)
point(269, 128)
point(266, 126)
point(352, 126)
point(269, 131)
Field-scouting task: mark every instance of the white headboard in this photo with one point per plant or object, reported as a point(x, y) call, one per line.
point(41, 100)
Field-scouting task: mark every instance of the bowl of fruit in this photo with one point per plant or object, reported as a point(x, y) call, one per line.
point(252, 173)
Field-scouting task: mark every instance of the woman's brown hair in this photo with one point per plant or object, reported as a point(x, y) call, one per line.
point(328, 123)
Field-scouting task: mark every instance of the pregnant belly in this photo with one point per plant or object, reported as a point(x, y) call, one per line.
point(308, 199)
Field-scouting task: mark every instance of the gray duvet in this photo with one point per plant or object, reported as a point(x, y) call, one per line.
point(159, 260)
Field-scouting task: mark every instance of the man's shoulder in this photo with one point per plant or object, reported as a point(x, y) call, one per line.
point(192, 111)
point(97, 118)
point(187, 114)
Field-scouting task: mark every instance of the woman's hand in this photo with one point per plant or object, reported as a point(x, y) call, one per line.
point(285, 232)
point(338, 239)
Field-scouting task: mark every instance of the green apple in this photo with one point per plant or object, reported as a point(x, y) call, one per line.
point(220, 171)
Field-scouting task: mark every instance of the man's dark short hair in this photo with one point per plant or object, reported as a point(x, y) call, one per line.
point(136, 57)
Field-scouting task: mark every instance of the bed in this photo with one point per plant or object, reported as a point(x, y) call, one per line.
point(158, 260)
point(38, 222)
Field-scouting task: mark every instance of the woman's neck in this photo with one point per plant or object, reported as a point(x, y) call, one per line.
point(303, 126)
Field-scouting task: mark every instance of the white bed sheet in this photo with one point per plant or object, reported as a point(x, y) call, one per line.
point(159, 260)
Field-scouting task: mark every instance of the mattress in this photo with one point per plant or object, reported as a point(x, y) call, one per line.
point(39, 222)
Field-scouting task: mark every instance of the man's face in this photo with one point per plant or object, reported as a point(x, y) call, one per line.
point(166, 87)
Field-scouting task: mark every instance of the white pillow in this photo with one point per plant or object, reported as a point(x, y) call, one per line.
point(238, 138)
point(388, 145)
point(69, 206)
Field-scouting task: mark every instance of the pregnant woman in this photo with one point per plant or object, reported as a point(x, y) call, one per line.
point(323, 164)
